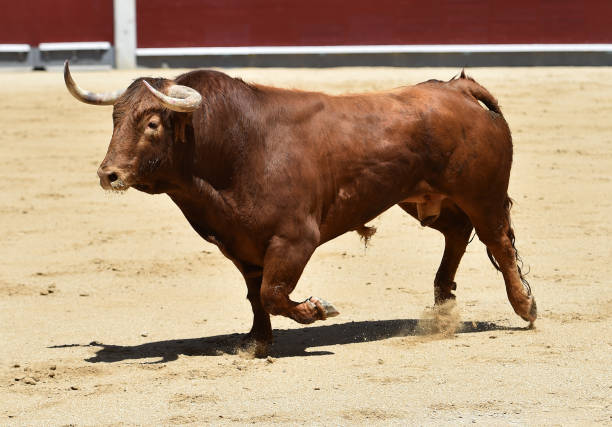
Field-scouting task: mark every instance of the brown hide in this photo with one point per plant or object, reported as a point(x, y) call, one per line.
point(286, 163)
point(269, 174)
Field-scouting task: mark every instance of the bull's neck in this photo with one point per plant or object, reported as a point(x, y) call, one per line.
point(219, 140)
point(223, 131)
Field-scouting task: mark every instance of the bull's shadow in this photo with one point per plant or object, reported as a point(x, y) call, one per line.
point(287, 342)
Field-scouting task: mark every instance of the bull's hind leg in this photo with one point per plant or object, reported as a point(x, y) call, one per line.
point(492, 223)
point(456, 227)
point(283, 265)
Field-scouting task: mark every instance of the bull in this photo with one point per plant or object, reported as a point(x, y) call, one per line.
point(269, 174)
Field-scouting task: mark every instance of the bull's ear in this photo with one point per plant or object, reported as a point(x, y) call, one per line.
point(180, 123)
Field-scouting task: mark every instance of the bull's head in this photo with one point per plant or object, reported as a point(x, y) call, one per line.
point(140, 153)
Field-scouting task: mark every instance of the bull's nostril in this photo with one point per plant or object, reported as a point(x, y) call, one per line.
point(112, 177)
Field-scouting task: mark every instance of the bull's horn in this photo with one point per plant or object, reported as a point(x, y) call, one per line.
point(108, 98)
point(180, 98)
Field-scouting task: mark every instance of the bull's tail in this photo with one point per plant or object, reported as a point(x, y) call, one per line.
point(519, 262)
point(469, 86)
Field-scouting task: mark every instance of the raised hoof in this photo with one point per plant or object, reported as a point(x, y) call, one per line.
point(328, 308)
point(533, 313)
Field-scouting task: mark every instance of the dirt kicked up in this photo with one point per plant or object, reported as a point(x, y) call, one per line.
point(114, 312)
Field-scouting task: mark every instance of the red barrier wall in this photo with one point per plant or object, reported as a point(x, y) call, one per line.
point(186, 23)
point(35, 22)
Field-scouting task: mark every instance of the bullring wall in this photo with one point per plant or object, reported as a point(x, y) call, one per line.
point(331, 32)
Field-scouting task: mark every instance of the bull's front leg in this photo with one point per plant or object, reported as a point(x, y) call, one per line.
point(261, 331)
point(260, 336)
point(284, 263)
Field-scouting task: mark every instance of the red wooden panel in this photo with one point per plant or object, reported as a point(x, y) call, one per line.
point(35, 22)
point(185, 23)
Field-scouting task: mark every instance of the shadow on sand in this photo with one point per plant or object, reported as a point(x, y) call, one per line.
point(287, 342)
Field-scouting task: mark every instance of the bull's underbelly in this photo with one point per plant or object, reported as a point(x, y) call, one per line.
point(351, 209)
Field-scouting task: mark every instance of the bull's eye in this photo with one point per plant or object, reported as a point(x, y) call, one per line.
point(153, 125)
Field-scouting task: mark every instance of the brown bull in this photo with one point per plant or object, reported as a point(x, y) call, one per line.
point(270, 174)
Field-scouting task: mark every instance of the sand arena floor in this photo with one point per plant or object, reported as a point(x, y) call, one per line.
point(114, 312)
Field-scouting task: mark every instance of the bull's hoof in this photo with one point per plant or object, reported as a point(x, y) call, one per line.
point(532, 315)
point(311, 310)
point(258, 349)
point(443, 293)
point(325, 308)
